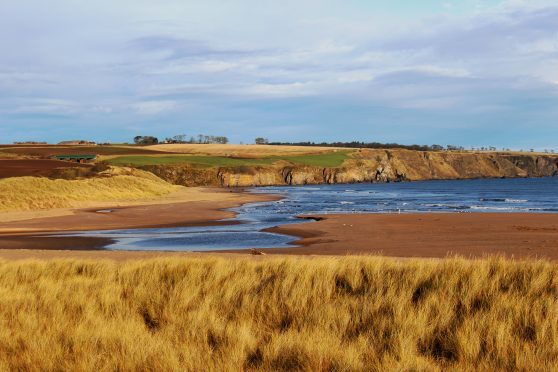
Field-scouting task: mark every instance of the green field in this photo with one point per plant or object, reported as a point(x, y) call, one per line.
point(333, 159)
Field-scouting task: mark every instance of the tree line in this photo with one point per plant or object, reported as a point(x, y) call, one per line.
point(371, 145)
point(182, 138)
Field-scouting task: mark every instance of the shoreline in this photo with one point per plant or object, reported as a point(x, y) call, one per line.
point(48, 232)
point(424, 235)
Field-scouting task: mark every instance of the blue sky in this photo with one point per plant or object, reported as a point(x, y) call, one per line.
point(470, 72)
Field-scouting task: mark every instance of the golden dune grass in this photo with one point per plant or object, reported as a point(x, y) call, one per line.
point(319, 314)
point(35, 193)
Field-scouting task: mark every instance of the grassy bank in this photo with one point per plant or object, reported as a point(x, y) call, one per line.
point(332, 159)
point(277, 314)
point(34, 193)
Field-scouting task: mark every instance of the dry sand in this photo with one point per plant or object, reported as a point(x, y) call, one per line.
point(215, 197)
point(189, 206)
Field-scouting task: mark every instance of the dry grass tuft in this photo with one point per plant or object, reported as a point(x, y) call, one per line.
point(279, 314)
point(117, 184)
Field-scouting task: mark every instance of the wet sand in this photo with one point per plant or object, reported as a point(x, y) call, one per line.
point(518, 235)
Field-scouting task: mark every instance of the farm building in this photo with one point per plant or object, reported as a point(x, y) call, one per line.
point(78, 158)
point(77, 143)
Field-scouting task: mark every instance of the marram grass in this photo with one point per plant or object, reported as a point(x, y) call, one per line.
point(315, 314)
point(34, 193)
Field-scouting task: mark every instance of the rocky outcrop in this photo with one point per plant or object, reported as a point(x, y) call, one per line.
point(369, 166)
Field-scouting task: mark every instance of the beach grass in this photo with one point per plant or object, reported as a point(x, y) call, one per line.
point(313, 314)
point(331, 159)
point(35, 193)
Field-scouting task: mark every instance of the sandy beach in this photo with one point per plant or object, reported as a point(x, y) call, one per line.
point(189, 207)
point(518, 235)
point(186, 207)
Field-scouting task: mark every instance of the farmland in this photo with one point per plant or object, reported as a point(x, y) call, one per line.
point(331, 159)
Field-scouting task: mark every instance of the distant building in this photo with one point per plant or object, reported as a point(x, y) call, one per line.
point(77, 158)
point(77, 143)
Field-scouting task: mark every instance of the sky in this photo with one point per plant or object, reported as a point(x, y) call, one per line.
point(470, 72)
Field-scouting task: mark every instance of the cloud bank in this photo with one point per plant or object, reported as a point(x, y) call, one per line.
point(447, 72)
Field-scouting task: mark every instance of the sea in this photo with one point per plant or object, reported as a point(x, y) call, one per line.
point(527, 195)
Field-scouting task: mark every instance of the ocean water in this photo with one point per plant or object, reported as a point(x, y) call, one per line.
point(535, 195)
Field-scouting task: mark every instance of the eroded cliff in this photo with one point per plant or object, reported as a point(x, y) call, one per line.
point(369, 166)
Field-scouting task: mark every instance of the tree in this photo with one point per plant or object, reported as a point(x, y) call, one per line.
point(145, 140)
point(261, 141)
point(179, 138)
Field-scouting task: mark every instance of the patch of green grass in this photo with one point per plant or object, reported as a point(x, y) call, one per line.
point(330, 159)
point(333, 159)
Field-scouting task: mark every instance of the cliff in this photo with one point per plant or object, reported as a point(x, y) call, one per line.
point(369, 166)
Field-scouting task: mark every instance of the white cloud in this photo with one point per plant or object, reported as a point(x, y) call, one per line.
point(154, 107)
point(47, 106)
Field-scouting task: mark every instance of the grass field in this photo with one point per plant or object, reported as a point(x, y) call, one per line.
point(319, 314)
point(34, 193)
point(331, 159)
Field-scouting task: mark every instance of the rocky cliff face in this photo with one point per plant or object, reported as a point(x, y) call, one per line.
point(369, 166)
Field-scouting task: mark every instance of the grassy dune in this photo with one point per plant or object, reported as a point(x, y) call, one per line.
point(279, 314)
point(33, 193)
